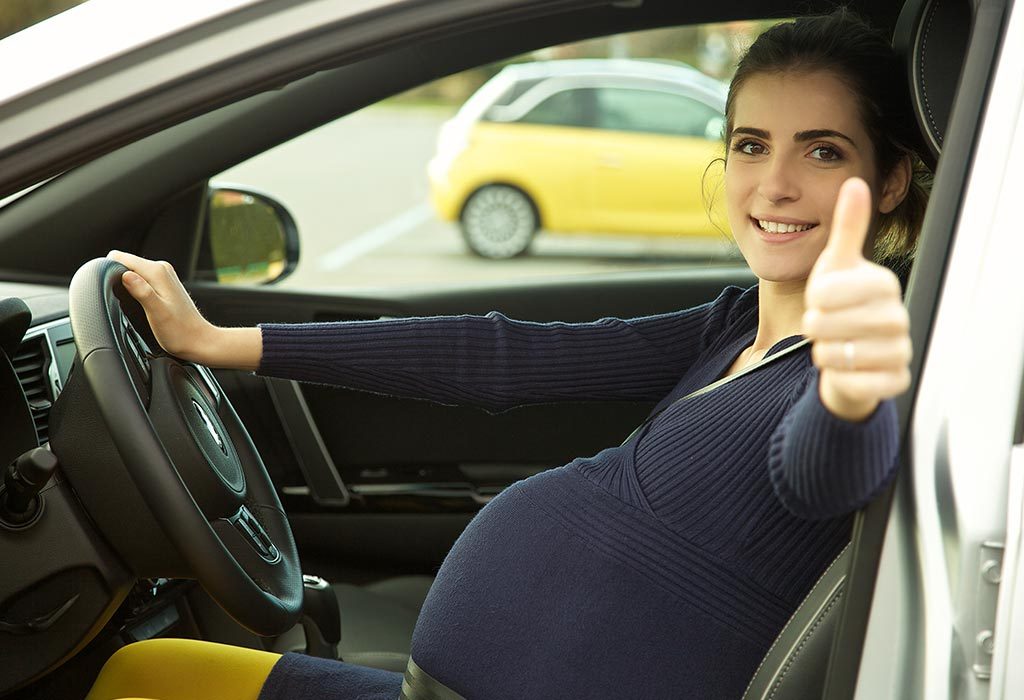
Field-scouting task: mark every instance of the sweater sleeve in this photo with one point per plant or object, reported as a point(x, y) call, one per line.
point(495, 362)
point(822, 466)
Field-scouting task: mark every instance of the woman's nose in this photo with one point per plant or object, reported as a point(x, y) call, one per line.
point(778, 184)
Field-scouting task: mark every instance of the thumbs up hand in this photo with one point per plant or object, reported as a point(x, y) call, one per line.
point(855, 316)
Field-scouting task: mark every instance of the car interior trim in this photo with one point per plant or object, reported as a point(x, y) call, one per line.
point(55, 333)
point(325, 483)
point(426, 489)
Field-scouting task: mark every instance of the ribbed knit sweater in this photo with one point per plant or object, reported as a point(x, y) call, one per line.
point(662, 568)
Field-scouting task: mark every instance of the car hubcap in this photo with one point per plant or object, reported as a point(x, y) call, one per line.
point(499, 222)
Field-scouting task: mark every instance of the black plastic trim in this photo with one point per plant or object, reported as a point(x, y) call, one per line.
point(325, 483)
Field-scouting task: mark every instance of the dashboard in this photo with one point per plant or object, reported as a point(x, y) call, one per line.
point(61, 585)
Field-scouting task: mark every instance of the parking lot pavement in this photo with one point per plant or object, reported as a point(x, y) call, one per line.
point(358, 191)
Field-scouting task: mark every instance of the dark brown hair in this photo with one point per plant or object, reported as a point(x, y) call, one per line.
point(843, 44)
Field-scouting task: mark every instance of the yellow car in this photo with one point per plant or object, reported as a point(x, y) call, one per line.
point(586, 145)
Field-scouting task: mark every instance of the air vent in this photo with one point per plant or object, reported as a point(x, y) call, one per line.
point(30, 364)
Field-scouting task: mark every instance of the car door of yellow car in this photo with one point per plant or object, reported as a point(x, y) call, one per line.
point(652, 149)
point(543, 153)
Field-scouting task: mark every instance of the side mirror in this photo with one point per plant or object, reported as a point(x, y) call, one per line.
point(248, 238)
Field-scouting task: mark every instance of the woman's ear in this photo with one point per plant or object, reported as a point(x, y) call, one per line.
point(896, 185)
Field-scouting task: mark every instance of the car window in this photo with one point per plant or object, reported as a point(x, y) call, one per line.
point(512, 93)
point(654, 112)
point(446, 185)
point(565, 108)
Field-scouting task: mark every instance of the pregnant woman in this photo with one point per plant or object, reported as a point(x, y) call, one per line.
point(664, 567)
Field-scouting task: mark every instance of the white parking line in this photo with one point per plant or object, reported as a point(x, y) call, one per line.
point(376, 237)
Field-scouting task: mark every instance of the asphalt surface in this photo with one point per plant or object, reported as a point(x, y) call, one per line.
point(358, 191)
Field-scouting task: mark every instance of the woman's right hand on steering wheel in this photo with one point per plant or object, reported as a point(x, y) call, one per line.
point(176, 322)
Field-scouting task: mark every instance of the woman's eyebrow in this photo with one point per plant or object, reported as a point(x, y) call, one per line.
point(798, 137)
point(751, 131)
point(813, 134)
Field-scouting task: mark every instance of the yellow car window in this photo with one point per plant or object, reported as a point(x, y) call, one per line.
point(649, 111)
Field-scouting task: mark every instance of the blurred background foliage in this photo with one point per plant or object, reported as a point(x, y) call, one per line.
point(15, 15)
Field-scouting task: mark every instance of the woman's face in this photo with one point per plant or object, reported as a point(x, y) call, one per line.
point(796, 137)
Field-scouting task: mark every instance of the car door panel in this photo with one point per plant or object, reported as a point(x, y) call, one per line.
point(543, 161)
point(654, 184)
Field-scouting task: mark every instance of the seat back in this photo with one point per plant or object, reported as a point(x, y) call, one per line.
point(797, 661)
point(932, 35)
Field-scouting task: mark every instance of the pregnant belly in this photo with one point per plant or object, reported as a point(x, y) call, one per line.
point(528, 607)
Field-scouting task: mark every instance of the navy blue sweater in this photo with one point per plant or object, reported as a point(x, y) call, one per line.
point(661, 568)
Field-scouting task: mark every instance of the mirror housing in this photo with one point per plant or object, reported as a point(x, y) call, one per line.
point(249, 238)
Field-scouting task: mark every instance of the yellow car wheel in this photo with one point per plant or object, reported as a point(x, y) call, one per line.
point(499, 221)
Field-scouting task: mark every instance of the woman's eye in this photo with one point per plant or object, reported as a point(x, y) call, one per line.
point(826, 153)
point(751, 148)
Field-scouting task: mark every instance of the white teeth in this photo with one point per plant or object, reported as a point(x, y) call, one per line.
point(776, 227)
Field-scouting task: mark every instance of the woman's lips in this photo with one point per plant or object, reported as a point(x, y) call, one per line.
point(768, 237)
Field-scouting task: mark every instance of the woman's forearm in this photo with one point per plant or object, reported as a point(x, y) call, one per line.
point(232, 348)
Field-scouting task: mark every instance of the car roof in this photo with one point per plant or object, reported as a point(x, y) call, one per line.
point(562, 74)
point(671, 71)
point(94, 32)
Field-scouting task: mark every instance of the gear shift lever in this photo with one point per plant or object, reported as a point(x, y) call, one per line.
point(321, 618)
point(23, 480)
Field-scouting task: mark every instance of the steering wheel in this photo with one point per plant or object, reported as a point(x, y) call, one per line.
point(189, 456)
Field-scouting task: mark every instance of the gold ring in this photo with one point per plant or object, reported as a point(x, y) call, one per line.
point(848, 354)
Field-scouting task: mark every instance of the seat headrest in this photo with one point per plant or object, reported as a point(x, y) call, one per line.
point(932, 35)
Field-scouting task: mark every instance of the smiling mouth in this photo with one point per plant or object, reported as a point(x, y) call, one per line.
point(778, 227)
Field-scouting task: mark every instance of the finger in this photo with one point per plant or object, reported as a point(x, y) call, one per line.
point(868, 321)
point(888, 354)
point(849, 230)
point(129, 260)
point(866, 283)
point(860, 385)
point(139, 288)
point(156, 272)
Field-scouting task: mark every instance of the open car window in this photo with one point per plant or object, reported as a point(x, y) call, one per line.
point(587, 158)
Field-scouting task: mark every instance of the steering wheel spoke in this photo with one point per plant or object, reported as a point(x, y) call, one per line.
point(253, 532)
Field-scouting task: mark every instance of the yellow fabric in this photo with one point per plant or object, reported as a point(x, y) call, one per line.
point(183, 669)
